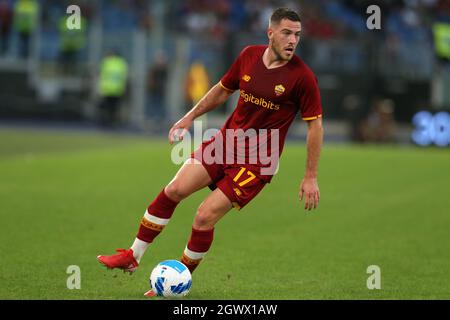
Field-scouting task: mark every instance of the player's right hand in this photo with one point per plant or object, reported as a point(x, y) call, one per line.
point(179, 129)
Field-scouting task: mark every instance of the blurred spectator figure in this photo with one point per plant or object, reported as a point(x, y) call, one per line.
point(112, 87)
point(156, 81)
point(197, 83)
point(71, 43)
point(26, 13)
point(6, 17)
point(379, 126)
point(353, 109)
point(441, 32)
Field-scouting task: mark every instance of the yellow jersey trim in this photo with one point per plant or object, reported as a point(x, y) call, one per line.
point(236, 205)
point(229, 90)
point(313, 118)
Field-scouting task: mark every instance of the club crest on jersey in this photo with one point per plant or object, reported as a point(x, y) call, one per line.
point(246, 78)
point(279, 90)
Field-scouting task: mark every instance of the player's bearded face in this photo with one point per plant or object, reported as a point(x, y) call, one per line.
point(284, 38)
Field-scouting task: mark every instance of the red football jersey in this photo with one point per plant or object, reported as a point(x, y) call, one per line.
point(268, 103)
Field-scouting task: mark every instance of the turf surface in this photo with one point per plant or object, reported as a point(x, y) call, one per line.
point(67, 197)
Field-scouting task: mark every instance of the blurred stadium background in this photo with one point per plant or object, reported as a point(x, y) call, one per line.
point(373, 82)
point(74, 180)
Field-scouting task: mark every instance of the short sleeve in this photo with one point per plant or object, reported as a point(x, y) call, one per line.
point(309, 97)
point(230, 81)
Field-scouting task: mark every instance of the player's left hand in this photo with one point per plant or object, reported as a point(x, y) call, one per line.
point(309, 189)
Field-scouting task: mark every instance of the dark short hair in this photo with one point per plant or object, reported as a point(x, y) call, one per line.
point(284, 13)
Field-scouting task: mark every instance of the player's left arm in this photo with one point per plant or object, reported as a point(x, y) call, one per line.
point(309, 188)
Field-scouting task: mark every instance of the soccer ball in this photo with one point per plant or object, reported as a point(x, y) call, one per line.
point(171, 278)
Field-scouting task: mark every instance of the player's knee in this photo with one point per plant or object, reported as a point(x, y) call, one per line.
point(175, 192)
point(204, 219)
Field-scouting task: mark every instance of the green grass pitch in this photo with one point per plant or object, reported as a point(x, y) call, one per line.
point(67, 197)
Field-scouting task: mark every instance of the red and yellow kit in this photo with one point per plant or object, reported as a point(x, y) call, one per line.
point(268, 104)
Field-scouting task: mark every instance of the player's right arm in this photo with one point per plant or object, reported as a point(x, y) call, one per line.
point(217, 95)
point(214, 98)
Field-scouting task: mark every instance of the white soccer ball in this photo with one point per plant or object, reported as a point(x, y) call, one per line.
point(171, 278)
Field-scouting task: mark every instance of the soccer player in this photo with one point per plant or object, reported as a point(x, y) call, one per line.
point(274, 86)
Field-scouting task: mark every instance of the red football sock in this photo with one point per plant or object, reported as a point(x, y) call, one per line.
point(156, 217)
point(198, 244)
